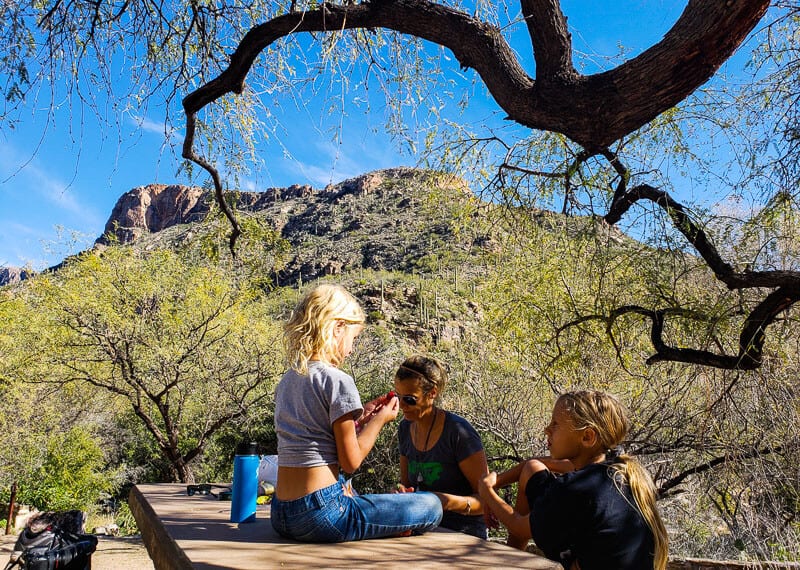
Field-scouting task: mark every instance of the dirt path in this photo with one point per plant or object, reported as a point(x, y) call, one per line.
point(113, 553)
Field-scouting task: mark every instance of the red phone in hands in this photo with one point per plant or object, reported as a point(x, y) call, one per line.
point(382, 402)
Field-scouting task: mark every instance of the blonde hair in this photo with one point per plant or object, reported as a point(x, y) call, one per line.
point(309, 330)
point(607, 417)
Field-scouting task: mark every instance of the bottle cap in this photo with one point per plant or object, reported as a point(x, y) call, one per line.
point(247, 448)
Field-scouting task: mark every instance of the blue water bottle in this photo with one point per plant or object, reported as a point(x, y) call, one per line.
point(245, 483)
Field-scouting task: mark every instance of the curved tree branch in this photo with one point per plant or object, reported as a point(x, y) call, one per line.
point(669, 487)
point(623, 200)
point(593, 111)
point(698, 238)
point(751, 339)
point(551, 40)
point(189, 154)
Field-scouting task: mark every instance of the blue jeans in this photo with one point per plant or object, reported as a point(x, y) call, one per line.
point(328, 515)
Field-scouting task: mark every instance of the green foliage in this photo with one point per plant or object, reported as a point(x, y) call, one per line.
point(259, 252)
point(164, 338)
point(71, 476)
point(10, 360)
point(516, 306)
point(181, 349)
point(44, 431)
point(125, 521)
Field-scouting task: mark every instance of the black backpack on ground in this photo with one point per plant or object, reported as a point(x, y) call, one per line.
point(54, 541)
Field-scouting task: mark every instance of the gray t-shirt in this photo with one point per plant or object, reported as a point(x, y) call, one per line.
point(305, 409)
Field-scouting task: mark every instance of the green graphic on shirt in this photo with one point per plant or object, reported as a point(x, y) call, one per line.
point(424, 473)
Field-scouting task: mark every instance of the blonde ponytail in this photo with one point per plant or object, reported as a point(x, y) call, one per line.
point(606, 415)
point(644, 493)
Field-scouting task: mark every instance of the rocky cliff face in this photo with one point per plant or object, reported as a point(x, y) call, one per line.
point(152, 208)
point(380, 220)
point(10, 275)
point(156, 207)
point(351, 222)
point(400, 219)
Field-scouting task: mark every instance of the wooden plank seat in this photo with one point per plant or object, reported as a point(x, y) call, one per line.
point(182, 532)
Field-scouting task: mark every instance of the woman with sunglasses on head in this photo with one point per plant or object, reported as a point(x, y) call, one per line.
point(324, 431)
point(439, 451)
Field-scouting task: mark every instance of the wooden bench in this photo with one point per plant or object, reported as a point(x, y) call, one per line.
point(182, 532)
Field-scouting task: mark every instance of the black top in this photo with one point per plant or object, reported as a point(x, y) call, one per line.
point(590, 516)
point(437, 469)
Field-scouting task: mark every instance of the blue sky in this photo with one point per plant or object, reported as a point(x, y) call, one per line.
point(60, 181)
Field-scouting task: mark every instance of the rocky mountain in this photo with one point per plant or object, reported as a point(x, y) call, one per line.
point(12, 275)
point(150, 209)
point(401, 219)
point(143, 212)
point(393, 219)
point(156, 207)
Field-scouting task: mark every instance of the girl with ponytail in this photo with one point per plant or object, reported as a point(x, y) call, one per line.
point(586, 506)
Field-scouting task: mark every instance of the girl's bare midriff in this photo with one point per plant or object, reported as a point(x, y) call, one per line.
point(296, 482)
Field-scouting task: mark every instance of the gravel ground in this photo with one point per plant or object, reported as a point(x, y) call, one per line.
point(113, 553)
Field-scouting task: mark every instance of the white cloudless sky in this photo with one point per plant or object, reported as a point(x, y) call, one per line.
point(60, 181)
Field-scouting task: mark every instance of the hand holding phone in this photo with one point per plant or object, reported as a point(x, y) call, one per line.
point(372, 407)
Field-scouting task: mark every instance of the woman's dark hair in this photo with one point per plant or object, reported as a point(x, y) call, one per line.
point(428, 371)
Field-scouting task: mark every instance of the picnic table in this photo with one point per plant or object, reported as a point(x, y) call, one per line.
point(182, 532)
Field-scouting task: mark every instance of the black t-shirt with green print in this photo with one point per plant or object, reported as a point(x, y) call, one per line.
point(437, 469)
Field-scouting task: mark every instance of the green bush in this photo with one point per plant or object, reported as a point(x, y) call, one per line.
point(72, 475)
point(125, 521)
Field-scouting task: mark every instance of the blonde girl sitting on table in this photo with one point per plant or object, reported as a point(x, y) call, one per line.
point(317, 406)
point(601, 512)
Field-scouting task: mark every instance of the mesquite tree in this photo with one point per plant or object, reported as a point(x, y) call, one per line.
point(594, 111)
point(177, 345)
